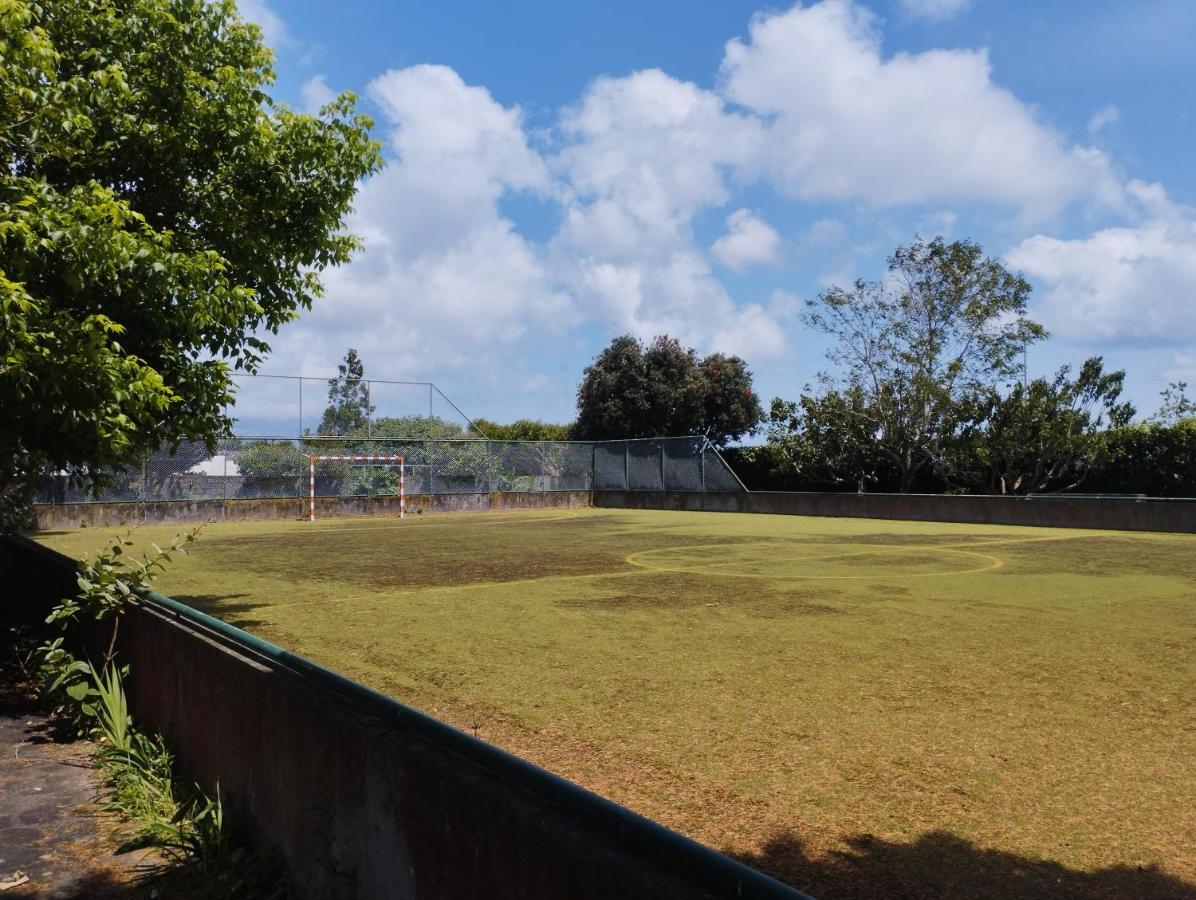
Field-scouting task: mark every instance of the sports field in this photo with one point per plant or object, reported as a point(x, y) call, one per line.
point(859, 707)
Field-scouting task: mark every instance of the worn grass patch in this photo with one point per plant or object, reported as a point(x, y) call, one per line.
point(864, 708)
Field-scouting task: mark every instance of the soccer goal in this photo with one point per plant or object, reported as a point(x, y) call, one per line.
point(385, 460)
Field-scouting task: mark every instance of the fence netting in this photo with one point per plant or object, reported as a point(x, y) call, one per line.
point(272, 468)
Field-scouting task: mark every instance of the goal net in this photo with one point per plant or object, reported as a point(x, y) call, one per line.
point(391, 460)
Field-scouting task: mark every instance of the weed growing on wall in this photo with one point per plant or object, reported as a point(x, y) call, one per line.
point(181, 822)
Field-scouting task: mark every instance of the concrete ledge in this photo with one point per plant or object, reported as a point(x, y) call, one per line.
point(102, 515)
point(1061, 511)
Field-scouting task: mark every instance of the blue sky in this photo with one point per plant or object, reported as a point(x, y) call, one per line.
point(559, 173)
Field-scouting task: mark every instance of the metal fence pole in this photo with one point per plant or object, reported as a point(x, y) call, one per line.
point(369, 413)
point(663, 487)
point(299, 433)
point(627, 465)
point(702, 466)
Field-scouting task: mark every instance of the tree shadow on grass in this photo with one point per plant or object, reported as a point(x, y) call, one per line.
point(218, 605)
point(940, 865)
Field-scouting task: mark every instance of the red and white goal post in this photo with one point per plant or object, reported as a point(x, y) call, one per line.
point(393, 460)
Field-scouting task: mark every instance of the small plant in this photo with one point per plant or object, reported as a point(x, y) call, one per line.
point(138, 767)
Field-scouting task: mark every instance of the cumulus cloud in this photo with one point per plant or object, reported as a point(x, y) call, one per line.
point(445, 275)
point(1103, 118)
point(749, 241)
point(934, 10)
point(847, 123)
point(316, 94)
point(641, 156)
point(1134, 281)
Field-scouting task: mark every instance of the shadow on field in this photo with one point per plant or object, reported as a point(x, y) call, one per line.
point(941, 865)
point(218, 605)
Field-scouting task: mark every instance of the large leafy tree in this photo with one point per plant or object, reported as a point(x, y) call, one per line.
point(1045, 435)
point(663, 389)
point(160, 216)
point(946, 322)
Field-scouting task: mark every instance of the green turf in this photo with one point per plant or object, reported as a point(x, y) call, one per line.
point(785, 688)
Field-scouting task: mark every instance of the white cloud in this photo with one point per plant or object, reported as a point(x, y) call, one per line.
point(1103, 118)
point(1130, 282)
point(445, 282)
point(274, 29)
point(316, 94)
point(749, 240)
point(641, 156)
point(931, 127)
point(934, 10)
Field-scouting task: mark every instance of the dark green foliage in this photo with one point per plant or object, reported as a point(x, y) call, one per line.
point(662, 390)
point(1037, 437)
point(158, 215)
point(348, 409)
point(1153, 459)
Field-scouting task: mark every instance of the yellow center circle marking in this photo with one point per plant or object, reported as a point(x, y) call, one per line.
point(717, 568)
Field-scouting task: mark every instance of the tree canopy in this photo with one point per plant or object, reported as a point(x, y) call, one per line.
point(160, 217)
point(946, 322)
point(1039, 436)
point(663, 389)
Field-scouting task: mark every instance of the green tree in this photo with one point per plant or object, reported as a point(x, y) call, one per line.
point(1147, 458)
point(160, 216)
point(1042, 436)
point(523, 430)
point(945, 323)
point(1175, 406)
point(663, 389)
point(730, 405)
point(348, 410)
point(828, 441)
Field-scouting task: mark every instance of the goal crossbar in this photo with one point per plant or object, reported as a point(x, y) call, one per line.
point(392, 459)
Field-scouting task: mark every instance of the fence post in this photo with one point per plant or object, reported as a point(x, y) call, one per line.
point(663, 487)
point(627, 465)
point(702, 465)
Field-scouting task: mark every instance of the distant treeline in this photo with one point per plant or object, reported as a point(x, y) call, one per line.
point(1154, 459)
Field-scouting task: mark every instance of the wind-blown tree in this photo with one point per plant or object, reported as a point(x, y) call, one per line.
point(663, 389)
point(160, 216)
point(945, 323)
point(1041, 436)
point(1176, 407)
point(348, 409)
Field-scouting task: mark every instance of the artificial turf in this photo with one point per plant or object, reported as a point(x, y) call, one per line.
point(859, 707)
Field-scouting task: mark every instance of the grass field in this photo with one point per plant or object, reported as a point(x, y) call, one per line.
point(859, 707)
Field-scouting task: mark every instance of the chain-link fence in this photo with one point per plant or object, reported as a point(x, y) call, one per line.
point(289, 404)
point(262, 468)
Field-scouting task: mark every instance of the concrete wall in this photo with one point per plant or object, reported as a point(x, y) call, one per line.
point(1061, 511)
point(72, 515)
point(365, 797)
